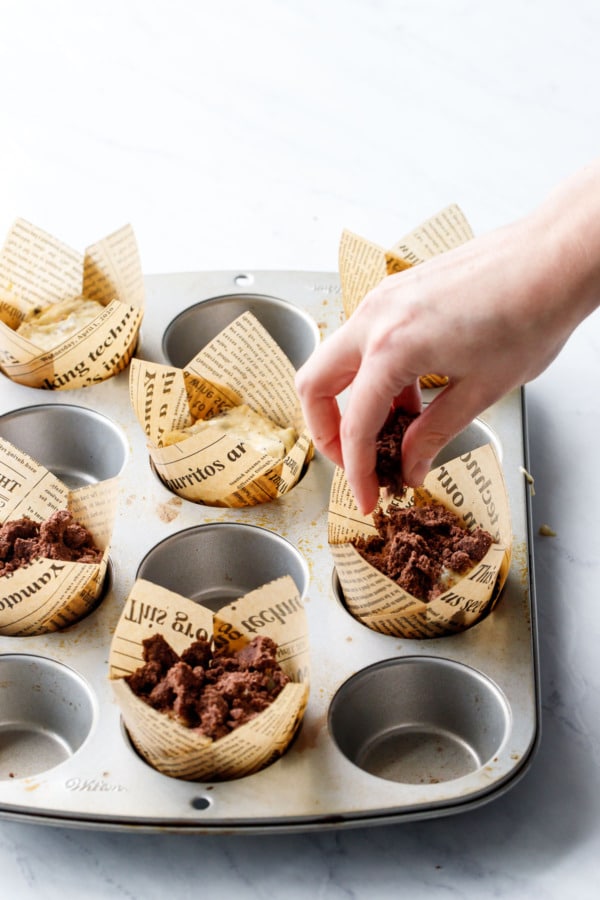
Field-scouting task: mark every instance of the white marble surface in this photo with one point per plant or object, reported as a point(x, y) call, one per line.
point(235, 134)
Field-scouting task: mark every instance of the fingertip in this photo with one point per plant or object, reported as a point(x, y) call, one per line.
point(328, 446)
point(366, 496)
point(418, 473)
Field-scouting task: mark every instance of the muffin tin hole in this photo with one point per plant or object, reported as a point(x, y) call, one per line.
point(475, 435)
point(290, 327)
point(338, 593)
point(217, 563)
point(419, 720)
point(46, 713)
point(78, 445)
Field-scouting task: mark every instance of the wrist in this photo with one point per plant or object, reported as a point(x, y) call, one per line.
point(567, 226)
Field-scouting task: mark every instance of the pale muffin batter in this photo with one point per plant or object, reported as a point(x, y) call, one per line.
point(48, 326)
point(255, 430)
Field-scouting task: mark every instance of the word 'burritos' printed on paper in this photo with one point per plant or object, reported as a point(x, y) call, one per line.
point(227, 430)
point(470, 486)
point(68, 320)
point(162, 739)
point(49, 594)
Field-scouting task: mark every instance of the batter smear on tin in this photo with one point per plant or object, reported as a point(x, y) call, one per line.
point(211, 691)
point(424, 549)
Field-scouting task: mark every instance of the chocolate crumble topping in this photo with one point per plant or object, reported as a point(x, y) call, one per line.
point(211, 691)
point(419, 547)
point(60, 537)
point(388, 467)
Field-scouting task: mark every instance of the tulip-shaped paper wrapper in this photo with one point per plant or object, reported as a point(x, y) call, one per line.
point(472, 487)
point(274, 610)
point(363, 264)
point(48, 594)
point(39, 272)
point(241, 365)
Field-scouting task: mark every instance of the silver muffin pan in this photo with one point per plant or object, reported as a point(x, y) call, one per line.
point(395, 730)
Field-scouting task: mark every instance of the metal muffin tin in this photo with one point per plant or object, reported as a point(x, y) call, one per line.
point(395, 730)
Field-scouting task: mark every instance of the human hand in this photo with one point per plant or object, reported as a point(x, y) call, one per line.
point(490, 315)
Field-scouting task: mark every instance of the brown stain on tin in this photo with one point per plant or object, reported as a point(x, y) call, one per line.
point(169, 511)
point(32, 786)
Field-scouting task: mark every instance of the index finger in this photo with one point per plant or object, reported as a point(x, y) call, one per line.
point(365, 413)
point(324, 376)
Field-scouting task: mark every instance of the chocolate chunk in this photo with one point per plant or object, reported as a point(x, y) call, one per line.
point(261, 653)
point(60, 537)
point(213, 713)
point(198, 654)
point(418, 547)
point(157, 649)
point(145, 679)
point(179, 690)
point(211, 692)
point(388, 466)
point(158, 658)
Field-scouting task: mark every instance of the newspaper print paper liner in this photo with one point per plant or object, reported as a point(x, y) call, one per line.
point(181, 752)
point(242, 364)
point(37, 270)
point(363, 264)
point(472, 486)
point(49, 595)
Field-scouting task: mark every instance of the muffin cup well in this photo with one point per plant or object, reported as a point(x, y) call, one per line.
point(172, 748)
point(216, 563)
point(78, 445)
point(46, 713)
point(419, 720)
point(242, 365)
point(293, 330)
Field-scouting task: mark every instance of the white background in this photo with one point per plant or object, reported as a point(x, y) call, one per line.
point(239, 134)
